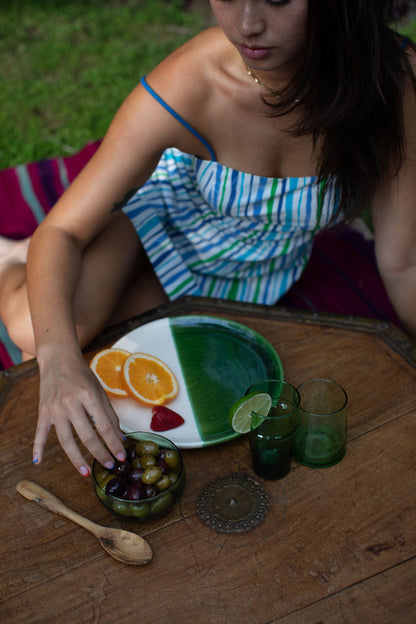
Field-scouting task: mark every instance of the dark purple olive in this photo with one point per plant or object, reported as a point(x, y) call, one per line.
point(131, 452)
point(121, 469)
point(134, 492)
point(163, 466)
point(136, 474)
point(150, 491)
point(116, 487)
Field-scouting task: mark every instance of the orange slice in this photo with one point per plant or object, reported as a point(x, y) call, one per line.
point(108, 367)
point(149, 380)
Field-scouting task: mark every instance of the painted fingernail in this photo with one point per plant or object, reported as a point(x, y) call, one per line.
point(84, 471)
point(109, 464)
point(35, 458)
point(121, 457)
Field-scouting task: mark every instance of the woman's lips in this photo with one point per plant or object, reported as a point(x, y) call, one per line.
point(254, 53)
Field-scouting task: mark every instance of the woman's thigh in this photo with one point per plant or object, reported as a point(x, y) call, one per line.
point(117, 280)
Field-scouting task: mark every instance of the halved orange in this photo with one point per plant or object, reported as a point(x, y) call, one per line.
point(108, 366)
point(149, 380)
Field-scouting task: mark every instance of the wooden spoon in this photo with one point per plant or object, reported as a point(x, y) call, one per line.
point(122, 545)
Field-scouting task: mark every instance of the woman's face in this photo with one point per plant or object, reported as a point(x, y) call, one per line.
point(269, 34)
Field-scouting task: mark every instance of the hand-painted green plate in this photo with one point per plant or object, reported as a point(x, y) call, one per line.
point(214, 361)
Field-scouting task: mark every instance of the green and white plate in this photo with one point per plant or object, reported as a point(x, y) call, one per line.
point(214, 361)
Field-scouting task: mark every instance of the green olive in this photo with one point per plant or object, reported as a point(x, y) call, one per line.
point(105, 480)
point(147, 460)
point(172, 459)
point(100, 473)
point(161, 503)
point(147, 447)
point(136, 462)
point(173, 477)
point(163, 483)
point(151, 475)
point(177, 487)
point(140, 511)
point(102, 496)
point(123, 509)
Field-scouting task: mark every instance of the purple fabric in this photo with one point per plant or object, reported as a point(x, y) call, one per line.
point(342, 277)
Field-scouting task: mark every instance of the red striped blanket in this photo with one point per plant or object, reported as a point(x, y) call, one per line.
point(341, 276)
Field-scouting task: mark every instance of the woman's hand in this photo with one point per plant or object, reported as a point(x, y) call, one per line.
point(72, 399)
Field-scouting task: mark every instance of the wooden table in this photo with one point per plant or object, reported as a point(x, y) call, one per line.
point(337, 546)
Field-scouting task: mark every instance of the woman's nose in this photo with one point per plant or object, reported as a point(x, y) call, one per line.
point(251, 21)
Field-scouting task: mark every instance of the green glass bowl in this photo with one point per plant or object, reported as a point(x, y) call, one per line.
point(146, 508)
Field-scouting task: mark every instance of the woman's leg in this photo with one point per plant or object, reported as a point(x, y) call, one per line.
point(13, 298)
point(112, 263)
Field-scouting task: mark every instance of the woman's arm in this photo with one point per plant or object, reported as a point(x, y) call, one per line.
point(394, 218)
point(69, 392)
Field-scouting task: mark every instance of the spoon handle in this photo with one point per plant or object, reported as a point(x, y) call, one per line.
point(34, 492)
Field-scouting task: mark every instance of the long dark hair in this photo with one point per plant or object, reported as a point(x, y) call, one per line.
point(350, 88)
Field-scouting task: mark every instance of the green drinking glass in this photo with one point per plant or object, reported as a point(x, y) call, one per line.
point(271, 435)
point(321, 438)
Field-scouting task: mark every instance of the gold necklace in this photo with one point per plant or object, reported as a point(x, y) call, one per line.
point(258, 81)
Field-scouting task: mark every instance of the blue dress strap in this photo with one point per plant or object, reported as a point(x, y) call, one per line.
point(177, 116)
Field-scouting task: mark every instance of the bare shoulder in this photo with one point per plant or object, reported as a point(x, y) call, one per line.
point(185, 78)
point(182, 80)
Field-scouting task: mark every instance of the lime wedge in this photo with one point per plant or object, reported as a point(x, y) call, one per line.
point(240, 412)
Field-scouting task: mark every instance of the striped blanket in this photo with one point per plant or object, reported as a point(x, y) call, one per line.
point(341, 276)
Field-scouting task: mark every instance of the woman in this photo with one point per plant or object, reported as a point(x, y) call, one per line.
point(287, 117)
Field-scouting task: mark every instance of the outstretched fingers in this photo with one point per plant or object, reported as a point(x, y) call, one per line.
point(96, 426)
point(39, 442)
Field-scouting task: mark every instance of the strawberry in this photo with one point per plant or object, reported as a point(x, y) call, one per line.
point(165, 418)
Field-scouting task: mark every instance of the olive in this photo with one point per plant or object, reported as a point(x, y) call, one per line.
point(136, 474)
point(131, 452)
point(148, 447)
point(122, 469)
point(173, 477)
point(163, 466)
point(136, 463)
point(151, 475)
point(161, 503)
point(103, 482)
point(147, 460)
point(150, 491)
point(163, 483)
point(172, 459)
point(101, 473)
point(115, 487)
point(134, 492)
point(101, 495)
point(140, 511)
point(121, 508)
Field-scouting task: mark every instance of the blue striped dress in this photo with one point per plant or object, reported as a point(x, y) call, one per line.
point(212, 231)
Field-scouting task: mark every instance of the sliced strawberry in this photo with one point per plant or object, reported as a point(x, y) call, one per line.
point(165, 418)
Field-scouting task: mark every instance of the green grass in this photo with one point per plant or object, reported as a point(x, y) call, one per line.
point(68, 65)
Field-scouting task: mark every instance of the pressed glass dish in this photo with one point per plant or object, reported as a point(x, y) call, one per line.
point(145, 508)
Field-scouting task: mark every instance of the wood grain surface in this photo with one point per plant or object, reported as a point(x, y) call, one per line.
point(338, 545)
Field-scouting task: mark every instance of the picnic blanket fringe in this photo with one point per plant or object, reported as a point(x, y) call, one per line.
point(341, 276)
